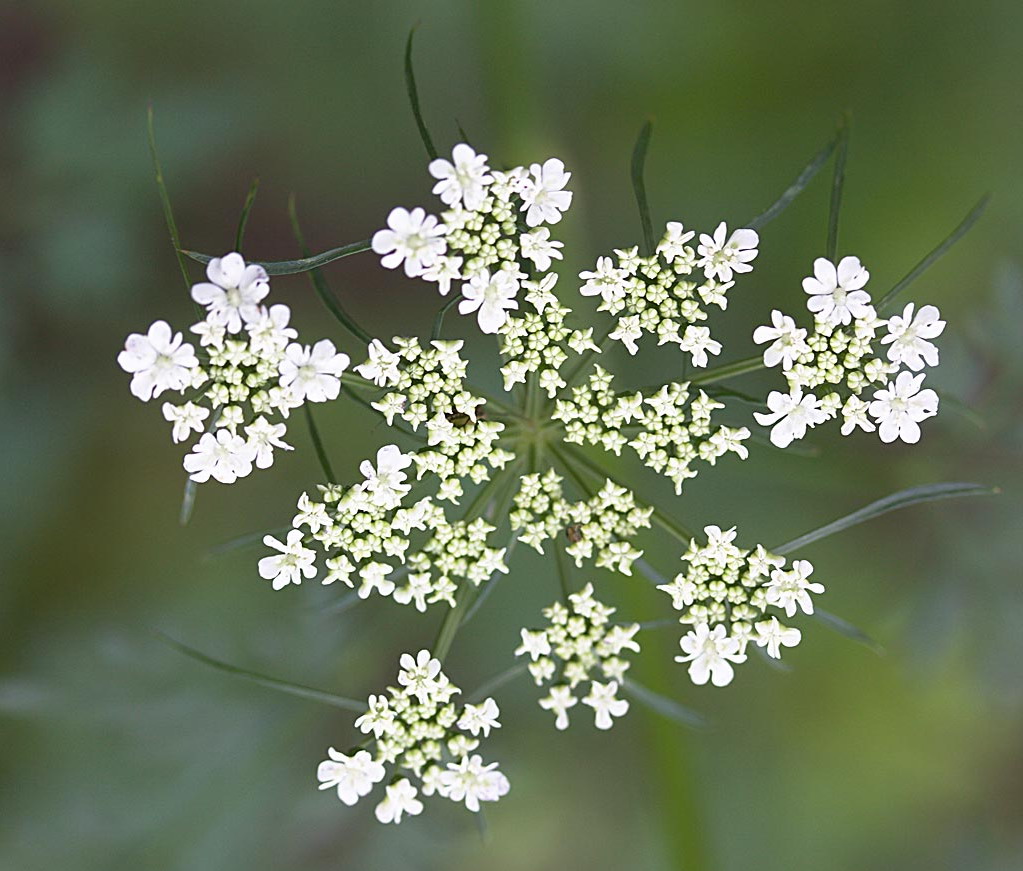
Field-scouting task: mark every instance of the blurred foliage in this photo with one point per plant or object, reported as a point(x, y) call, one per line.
point(121, 753)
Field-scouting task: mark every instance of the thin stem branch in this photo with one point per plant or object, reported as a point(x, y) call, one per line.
point(321, 452)
point(729, 370)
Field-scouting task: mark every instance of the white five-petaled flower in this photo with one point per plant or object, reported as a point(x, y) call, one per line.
point(540, 248)
point(698, 343)
point(536, 644)
point(157, 361)
point(603, 698)
point(788, 341)
point(413, 238)
point(774, 636)
point(294, 562)
point(263, 438)
point(419, 674)
point(382, 366)
point(491, 296)
point(791, 415)
point(908, 337)
point(544, 197)
point(559, 700)
point(401, 799)
point(790, 590)
point(472, 782)
point(313, 373)
point(480, 718)
point(900, 406)
point(674, 242)
point(710, 653)
point(722, 255)
point(185, 418)
point(233, 292)
point(225, 457)
point(836, 294)
point(385, 483)
point(354, 776)
point(463, 179)
point(379, 719)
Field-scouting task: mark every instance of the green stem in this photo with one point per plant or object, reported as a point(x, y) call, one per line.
point(321, 452)
point(729, 370)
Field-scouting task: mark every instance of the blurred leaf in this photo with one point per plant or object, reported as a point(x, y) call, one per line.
point(770, 661)
point(894, 502)
point(797, 187)
point(243, 541)
point(273, 683)
point(639, 187)
point(187, 502)
point(844, 627)
point(321, 451)
point(837, 186)
point(294, 267)
point(496, 682)
point(250, 200)
point(664, 706)
point(168, 212)
point(931, 258)
point(413, 98)
point(438, 322)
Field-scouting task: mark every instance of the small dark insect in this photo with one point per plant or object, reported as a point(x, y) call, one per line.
point(574, 533)
point(460, 418)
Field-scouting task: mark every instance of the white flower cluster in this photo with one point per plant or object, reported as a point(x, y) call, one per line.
point(724, 595)
point(660, 295)
point(579, 640)
point(669, 431)
point(366, 532)
point(253, 372)
point(421, 732)
point(427, 386)
point(480, 241)
point(829, 369)
point(599, 527)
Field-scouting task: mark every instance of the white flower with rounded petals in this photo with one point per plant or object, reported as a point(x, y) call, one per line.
point(627, 332)
point(443, 271)
point(374, 577)
point(385, 483)
point(774, 636)
point(673, 244)
point(354, 776)
point(908, 337)
point(419, 674)
point(294, 562)
point(901, 406)
point(157, 361)
point(854, 415)
point(225, 457)
point(835, 293)
point(379, 719)
point(540, 248)
point(559, 700)
point(185, 418)
point(413, 238)
point(472, 782)
point(233, 292)
point(788, 341)
point(401, 799)
point(722, 255)
point(382, 366)
point(480, 718)
point(491, 296)
point(603, 698)
point(607, 280)
point(544, 197)
point(697, 342)
point(313, 374)
point(791, 415)
point(270, 333)
point(536, 644)
point(463, 179)
point(263, 438)
point(710, 653)
point(790, 590)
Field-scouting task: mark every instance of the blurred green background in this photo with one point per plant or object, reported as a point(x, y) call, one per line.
point(119, 753)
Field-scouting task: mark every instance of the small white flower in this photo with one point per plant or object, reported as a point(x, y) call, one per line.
point(157, 361)
point(722, 255)
point(788, 341)
point(472, 782)
point(627, 332)
point(225, 457)
point(491, 296)
point(673, 243)
point(233, 293)
point(374, 577)
point(710, 654)
point(185, 418)
point(773, 635)
point(354, 776)
point(294, 561)
point(605, 703)
point(382, 366)
point(835, 293)
point(419, 674)
point(899, 408)
point(559, 700)
point(790, 590)
point(791, 415)
point(415, 238)
point(379, 719)
point(386, 482)
point(908, 337)
point(854, 414)
point(698, 343)
point(480, 718)
point(263, 438)
point(540, 248)
point(313, 373)
point(270, 333)
point(607, 281)
point(536, 644)
point(401, 799)
point(463, 179)
point(544, 197)
point(443, 271)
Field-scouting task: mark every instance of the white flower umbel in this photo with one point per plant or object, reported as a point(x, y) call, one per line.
point(233, 293)
point(836, 292)
point(578, 643)
point(725, 593)
point(422, 737)
point(158, 361)
point(901, 406)
point(414, 239)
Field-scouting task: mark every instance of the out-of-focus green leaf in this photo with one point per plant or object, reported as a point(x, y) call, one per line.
point(639, 187)
point(321, 451)
point(187, 502)
point(263, 680)
point(837, 186)
point(294, 267)
point(250, 200)
point(844, 627)
point(664, 706)
point(894, 502)
point(797, 187)
point(243, 541)
point(413, 98)
point(168, 212)
point(438, 322)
